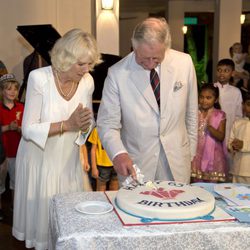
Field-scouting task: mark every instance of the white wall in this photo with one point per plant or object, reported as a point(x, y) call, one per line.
point(229, 26)
point(127, 25)
point(107, 29)
point(62, 14)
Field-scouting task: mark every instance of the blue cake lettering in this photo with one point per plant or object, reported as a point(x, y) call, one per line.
point(170, 204)
point(150, 203)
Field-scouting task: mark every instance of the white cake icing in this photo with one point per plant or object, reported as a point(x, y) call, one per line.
point(170, 201)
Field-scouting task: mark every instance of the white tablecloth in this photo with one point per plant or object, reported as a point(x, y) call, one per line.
point(70, 230)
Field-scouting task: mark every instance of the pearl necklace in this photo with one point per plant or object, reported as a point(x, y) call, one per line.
point(59, 86)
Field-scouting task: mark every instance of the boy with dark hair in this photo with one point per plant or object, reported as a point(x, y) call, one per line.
point(230, 98)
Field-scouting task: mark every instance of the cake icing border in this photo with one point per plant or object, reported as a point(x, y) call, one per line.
point(149, 220)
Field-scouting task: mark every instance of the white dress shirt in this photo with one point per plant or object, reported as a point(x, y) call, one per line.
point(231, 103)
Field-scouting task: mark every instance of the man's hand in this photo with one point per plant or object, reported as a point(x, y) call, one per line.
point(123, 165)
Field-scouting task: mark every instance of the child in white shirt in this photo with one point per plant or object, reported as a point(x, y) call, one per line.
point(239, 145)
point(230, 97)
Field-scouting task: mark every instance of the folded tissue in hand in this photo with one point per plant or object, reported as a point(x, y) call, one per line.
point(129, 181)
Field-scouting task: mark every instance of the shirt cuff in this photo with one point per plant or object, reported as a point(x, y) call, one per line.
point(118, 153)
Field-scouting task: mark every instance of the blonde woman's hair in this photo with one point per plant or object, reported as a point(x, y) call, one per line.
point(75, 45)
point(152, 30)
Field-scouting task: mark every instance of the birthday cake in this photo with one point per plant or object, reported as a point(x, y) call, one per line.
point(165, 200)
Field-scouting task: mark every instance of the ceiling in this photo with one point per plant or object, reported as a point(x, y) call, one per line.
point(148, 5)
point(142, 5)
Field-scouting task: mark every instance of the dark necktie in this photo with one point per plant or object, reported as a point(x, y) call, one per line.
point(155, 83)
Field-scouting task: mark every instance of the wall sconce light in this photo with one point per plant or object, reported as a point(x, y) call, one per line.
point(107, 4)
point(242, 18)
point(184, 29)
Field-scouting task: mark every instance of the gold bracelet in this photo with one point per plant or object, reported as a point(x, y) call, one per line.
point(61, 128)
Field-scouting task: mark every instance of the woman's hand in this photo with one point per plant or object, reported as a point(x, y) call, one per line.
point(86, 167)
point(80, 119)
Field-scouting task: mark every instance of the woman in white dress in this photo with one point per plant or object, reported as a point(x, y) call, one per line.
point(57, 116)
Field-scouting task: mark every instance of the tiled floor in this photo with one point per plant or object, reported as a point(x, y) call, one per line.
point(7, 241)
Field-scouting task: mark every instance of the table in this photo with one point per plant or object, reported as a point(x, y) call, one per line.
point(69, 229)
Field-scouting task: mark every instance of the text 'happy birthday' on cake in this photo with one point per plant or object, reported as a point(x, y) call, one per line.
point(165, 200)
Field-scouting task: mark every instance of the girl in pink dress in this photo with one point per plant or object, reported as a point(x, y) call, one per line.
point(209, 164)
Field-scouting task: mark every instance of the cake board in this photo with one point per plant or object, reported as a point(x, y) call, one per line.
point(126, 219)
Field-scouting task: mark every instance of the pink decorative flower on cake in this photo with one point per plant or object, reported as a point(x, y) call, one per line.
point(162, 193)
